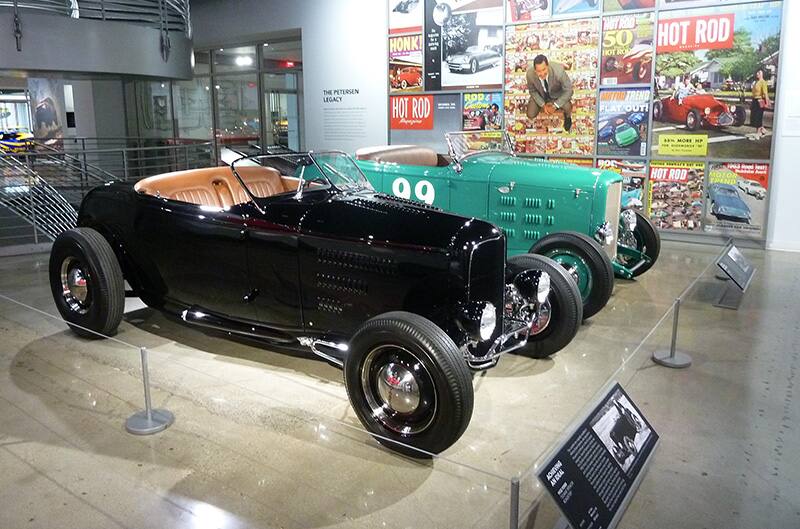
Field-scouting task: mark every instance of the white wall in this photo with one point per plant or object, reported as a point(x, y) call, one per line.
point(344, 47)
point(783, 228)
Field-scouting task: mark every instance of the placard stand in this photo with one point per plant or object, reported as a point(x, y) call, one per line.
point(738, 274)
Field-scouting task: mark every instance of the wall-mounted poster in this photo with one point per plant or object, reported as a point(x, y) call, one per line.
point(405, 63)
point(47, 103)
point(675, 200)
point(634, 176)
point(580, 162)
point(736, 198)
point(550, 106)
point(627, 56)
point(424, 119)
point(622, 122)
point(483, 111)
point(526, 10)
point(463, 44)
point(569, 7)
point(715, 77)
point(683, 4)
point(405, 16)
point(620, 5)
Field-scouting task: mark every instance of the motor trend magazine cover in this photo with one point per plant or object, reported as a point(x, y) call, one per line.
point(623, 115)
point(736, 198)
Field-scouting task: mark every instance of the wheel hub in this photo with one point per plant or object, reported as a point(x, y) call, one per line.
point(75, 285)
point(398, 388)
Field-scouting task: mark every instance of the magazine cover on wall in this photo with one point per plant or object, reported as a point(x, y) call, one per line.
point(405, 16)
point(634, 176)
point(526, 10)
point(624, 5)
point(551, 81)
point(463, 44)
point(736, 198)
point(622, 122)
point(405, 63)
point(568, 7)
point(716, 77)
point(483, 111)
point(580, 162)
point(683, 4)
point(675, 200)
point(424, 119)
point(627, 56)
point(47, 103)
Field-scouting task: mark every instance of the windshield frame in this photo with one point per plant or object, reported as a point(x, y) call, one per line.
point(458, 159)
point(323, 169)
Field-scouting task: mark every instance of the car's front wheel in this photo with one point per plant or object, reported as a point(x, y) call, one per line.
point(658, 111)
point(86, 282)
point(473, 66)
point(693, 120)
point(403, 84)
point(586, 262)
point(560, 320)
point(645, 238)
point(408, 384)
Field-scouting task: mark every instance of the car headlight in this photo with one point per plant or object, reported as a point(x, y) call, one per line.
point(628, 219)
point(488, 321)
point(604, 234)
point(543, 289)
point(733, 108)
point(707, 110)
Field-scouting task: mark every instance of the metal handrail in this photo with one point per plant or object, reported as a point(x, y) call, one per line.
point(170, 15)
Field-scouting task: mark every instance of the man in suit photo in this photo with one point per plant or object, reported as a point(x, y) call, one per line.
point(550, 89)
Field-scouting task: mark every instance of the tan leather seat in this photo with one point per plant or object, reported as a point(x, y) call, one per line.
point(216, 186)
point(401, 154)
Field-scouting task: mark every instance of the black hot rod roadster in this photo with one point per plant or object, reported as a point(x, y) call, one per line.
point(299, 250)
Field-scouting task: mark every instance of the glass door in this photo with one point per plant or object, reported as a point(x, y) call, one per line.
point(282, 119)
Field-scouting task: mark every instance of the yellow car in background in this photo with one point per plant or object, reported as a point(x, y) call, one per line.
point(16, 141)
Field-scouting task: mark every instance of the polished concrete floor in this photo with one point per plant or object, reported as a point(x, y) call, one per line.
point(266, 439)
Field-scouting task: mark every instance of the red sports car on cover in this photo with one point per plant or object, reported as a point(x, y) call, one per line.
point(409, 76)
point(699, 110)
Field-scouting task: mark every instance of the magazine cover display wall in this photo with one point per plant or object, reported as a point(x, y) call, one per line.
point(463, 44)
point(709, 64)
point(675, 95)
point(736, 198)
point(573, 46)
point(676, 195)
point(627, 56)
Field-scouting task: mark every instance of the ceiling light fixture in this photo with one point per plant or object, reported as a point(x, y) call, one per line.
point(244, 60)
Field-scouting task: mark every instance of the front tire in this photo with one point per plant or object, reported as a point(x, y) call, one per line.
point(473, 66)
point(648, 241)
point(693, 120)
point(586, 262)
point(408, 383)
point(658, 111)
point(86, 282)
point(566, 307)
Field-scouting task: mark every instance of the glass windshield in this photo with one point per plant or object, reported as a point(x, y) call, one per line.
point(276, 174)
point(465, 143)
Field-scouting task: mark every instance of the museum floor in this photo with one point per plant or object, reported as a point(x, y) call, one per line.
point(263, 439)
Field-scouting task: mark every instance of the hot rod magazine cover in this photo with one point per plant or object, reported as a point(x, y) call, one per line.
point(627, 56)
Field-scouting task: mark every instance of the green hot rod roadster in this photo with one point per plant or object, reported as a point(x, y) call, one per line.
point(568, 213)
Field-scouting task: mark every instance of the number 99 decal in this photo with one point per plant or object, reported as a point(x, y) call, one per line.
point(423, 190)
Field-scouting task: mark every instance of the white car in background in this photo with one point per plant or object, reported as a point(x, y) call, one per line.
point(751, 187)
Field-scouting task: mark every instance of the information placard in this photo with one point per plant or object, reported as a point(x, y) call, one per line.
point(594, 474)
point(737, 267)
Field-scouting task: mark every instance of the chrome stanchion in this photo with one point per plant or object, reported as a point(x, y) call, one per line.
point(672, 357)
point(148, 421)
point(513, 515)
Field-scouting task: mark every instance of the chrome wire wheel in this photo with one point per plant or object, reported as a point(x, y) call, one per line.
point(399, 389)
point(75, 285)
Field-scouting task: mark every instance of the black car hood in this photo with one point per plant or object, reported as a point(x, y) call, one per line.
point(367, 216)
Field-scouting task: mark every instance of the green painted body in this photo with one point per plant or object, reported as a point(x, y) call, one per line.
point(528, 198)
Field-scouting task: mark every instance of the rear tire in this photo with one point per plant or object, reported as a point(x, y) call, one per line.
point(586, 258)
point(384, 352)
point(658, 110)
point(648, 241)
point(86, 282)
point(566, 307)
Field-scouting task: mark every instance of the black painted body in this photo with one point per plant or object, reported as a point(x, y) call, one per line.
point(320, 265)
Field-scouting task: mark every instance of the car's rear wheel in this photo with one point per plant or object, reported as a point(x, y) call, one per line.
point(739, 116)
point(658, 110)
point(693, 120)
point(403, 84)
point(586, 262)
point(645, 238)
point(86, 282)
point(473, 66)
point(408, 383)
point(555, 329)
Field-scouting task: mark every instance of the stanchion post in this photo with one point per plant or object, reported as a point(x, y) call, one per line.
point(513, 515)
point(148, 421)
point(673, 358)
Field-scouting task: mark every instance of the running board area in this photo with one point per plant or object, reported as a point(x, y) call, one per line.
point(197, 316)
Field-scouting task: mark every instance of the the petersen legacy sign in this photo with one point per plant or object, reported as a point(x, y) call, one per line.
point(594, 474)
